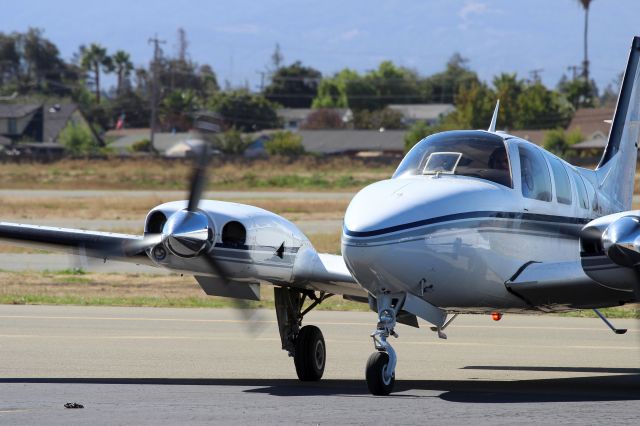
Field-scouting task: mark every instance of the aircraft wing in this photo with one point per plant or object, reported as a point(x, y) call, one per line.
point(103, 245)
point(605, 273)
point(311, 270)
point(326, 272)
point(564, 285)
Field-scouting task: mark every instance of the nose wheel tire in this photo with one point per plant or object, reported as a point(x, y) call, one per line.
point(376, 373)
point(310, 355)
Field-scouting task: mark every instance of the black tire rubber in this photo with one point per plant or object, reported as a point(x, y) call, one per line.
point(375, 367)
point(311, 354)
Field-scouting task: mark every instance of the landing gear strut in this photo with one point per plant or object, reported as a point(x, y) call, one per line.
point(305, 344)
point(381, 366)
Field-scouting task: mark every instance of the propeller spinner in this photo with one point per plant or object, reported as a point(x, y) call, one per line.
point(187, 233)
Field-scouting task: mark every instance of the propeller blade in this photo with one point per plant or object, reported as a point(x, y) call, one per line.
point(147, 242)
point(198, 178)
point(105, 251)
point(253, 319)
point(205, 124)
point(246, 312)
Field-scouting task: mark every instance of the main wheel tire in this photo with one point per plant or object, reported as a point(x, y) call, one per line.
point(377, 365)
point(311, 354)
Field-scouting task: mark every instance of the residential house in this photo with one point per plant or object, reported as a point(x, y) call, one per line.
point(354, 142)
point(428, 113)
point(37, 127)
point(293, 118)
point(535, 136)
point(594, 123)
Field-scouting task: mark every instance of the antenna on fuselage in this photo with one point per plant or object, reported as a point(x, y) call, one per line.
point(492, 126)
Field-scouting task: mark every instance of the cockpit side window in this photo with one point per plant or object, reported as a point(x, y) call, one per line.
point(534, 174)
point(561, 178)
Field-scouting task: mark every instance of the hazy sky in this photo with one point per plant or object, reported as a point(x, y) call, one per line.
point(237, 37)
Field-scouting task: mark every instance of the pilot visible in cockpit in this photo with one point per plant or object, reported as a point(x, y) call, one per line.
point(498, 159)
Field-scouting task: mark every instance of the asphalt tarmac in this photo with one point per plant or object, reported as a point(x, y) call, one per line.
point(202, 366)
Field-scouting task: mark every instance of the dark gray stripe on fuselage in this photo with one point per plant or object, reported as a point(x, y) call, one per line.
point(255, 248)
point(247, 255)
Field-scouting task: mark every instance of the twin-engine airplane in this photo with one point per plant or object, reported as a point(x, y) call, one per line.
point(470, 222)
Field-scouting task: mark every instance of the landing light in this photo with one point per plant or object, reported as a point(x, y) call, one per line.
point(159, 253)
point(496, 316)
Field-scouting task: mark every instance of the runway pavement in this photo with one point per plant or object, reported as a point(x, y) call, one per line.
point(198, 366)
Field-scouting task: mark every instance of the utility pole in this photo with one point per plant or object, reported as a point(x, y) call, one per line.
point(154, 91)
point(535, 75)
point(262, 73)
point(574, 71)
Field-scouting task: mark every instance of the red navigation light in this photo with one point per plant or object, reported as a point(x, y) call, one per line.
point(496, 316)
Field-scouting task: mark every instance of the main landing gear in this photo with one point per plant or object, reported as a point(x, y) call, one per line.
point(305, 344)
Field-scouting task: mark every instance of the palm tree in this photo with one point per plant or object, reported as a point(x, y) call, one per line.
point(95, 59)
point(585, 63)
point(123, 67)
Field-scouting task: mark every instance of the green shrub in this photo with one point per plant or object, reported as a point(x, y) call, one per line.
point(143, 145)
point(232, 142)
point(560, 142)
point(285, 143)
point(78, 140)
point(418, 131)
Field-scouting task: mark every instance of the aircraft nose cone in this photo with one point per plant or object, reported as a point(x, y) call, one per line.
point(620, 241)
point(187, 233)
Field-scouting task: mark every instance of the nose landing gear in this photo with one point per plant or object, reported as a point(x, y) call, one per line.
point(381, 366)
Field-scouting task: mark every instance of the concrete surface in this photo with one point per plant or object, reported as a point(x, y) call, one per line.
point(200, 366)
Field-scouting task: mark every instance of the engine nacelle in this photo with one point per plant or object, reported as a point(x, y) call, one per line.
point(610, 250)
point(245, 241)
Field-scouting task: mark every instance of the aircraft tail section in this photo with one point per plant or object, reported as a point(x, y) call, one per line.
point(616, 171)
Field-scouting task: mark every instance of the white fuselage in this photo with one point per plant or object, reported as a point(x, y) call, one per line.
point(455, 240)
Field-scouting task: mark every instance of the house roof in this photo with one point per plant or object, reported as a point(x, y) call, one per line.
point(535, 136)
point(303, 113)
point(423, 111)
point(591, 120)
point(17, 110)
point(118, 133)
point(597, 141)
point(335, 141)
point(56, 117)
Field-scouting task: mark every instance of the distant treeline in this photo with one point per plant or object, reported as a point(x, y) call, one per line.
point(31, 66)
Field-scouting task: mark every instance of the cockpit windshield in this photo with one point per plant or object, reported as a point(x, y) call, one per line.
point(466, 153)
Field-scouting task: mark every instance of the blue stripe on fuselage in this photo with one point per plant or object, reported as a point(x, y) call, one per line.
point(470, 215)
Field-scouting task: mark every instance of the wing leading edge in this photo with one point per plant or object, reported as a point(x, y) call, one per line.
point(103, 245)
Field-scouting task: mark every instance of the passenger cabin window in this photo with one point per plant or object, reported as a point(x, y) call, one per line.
point(534, 174)
point(582, 191)
point(466, 153)
point(561, 179)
